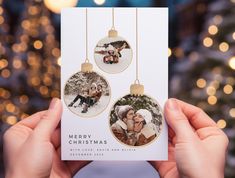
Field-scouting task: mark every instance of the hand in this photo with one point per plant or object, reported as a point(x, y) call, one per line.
point(197, 147)
point(32, 147)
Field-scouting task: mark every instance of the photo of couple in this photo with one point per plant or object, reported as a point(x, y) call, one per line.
point(137, 123)
point(113, 55)
point(86, 94)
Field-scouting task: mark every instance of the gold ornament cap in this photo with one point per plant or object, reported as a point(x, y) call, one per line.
point(137, 89)
point(113, 33)
point(87, 67)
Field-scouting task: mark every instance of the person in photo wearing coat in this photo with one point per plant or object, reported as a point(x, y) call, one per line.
point(145, 129)
point(121, 127)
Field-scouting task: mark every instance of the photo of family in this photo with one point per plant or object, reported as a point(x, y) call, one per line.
point(87, 94)
point(113, 55)
point(136, 120)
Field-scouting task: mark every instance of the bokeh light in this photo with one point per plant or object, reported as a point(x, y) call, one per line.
point(99, 2)
point(221, 123)
point(38, 44)
point(223, 47)
point(212, 100)
point(201, 83)
point(169, 52)
point(207, 42)
point(232, 112)
point(228, 89)
point(213, 29)
point(211, 90)
point(231, 62)
point(56, 5)
point(218, 19)
point(11, 120)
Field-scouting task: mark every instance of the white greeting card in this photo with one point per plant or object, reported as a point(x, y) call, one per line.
point(101, 120)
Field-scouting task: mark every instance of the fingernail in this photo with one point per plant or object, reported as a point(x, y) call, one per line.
point(172, 105)
point(53, 103)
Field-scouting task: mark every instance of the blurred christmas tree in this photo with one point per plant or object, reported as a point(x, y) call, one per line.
point(32, 76)
point(205, 76)
point(5, 41)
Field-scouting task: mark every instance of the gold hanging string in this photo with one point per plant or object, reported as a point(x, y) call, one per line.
point(87, 60)
point(113, 27)
point(86, 66)
point(137, 59)
point(137, 89)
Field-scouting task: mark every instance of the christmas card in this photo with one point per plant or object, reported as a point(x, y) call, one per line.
point(114, 83)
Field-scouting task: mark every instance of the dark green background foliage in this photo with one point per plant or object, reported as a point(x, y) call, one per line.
point(139, 102)
point(82, 81)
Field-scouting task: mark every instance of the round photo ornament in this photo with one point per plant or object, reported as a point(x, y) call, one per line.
point(87, 93)
point(136, 119)
point(113, 53)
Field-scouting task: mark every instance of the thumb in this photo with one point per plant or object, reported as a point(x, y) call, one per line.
point(178, 121)
point(49, 120)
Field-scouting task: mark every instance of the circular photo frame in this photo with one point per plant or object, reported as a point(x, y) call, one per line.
point(113, 54)
point(87, 94)
point(136, 120)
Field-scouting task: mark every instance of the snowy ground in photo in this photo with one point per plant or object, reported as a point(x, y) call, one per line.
point(123, 63)
point(92, 111)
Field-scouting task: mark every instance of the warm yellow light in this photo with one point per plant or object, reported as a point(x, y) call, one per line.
point(17, 63)
point(55, 93)
point(1, 10)
point(1, 20)
point(5, 73)
point(35, 81)
point(25, 24)
point(11, 120)
point(233, 35)
point(231, 62)
point(24, 99)
point(56, 52)
point(47, 81)
point(59, 61)
point(10, 107)
point(213, 29)
point(223, 47)
point(212, 100)
point(43, 90)
point(207, 42)
point(232, 112)
point(37, 44)
point(228, 89)
point(221, 123)
point(169, 52)
point(179, 52)
point(56, 6)
point(201, 83)
point(218, 19)
point(3, 63)
point(33, 10)
point(99, 2)
point(211, 90)
point(23, 116)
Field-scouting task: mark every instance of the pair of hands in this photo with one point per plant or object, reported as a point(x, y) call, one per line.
point(197, 147)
